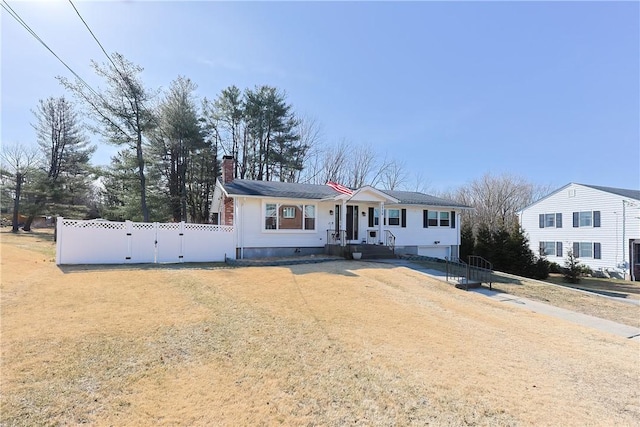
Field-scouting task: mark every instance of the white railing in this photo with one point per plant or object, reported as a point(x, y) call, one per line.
point(110, 242)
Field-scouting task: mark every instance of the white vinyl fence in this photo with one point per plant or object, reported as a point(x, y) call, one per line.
point(109, 242)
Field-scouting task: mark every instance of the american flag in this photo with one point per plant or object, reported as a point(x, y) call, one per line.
point(340, 188)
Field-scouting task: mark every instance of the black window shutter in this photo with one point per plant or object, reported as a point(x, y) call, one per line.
point(425, 219)
point(576, 219)
point(371, 213)
point(559, 249)
point(542, 249)
point(596, 218)
point(576, 249)
point(453, 219)
point(597, 250)
point(541, 220)
point(558, 220)
point(403, 218)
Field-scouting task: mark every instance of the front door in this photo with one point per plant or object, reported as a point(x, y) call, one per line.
point(352, 222)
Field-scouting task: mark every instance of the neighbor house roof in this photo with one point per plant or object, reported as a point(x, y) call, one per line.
point(291, 190)
point(631, 194)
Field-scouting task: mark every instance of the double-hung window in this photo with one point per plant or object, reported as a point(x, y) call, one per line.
point(586, 219)
point(438, 219)
point(394, 216)
point(587, 250)
point(547, 248)
point(550, 220)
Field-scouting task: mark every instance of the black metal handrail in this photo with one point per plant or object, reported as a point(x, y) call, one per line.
point(336, 237)
point(477, 269)
point(456, 269)
point(390, 240)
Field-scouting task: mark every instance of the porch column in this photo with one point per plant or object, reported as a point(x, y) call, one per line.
point(343, 223)
point(381, 217)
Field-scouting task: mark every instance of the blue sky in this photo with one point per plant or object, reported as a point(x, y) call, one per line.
point(544, 90)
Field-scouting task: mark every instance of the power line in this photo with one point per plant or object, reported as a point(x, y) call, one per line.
point(95, 38)
point(115, 67)
point(21, 21)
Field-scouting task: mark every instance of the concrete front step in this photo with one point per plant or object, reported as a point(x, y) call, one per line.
point(373, 251)
point(467, 284)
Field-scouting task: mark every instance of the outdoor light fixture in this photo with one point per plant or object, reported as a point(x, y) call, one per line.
point(437, 242)
point(364, 213)
point(330, 212)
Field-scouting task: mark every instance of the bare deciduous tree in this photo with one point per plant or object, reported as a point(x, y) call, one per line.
point(18, 162)
point(394, 175)
point(497, 199)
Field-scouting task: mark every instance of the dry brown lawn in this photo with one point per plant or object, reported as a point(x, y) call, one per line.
point(341, 343)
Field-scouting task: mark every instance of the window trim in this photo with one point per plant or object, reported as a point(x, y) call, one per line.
point(433, 218)
point(278, 205)
point(550, 220)
point(595, 248)
point(389, 218)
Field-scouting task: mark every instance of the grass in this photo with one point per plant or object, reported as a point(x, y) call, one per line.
point(341, 343)
point(560, 294)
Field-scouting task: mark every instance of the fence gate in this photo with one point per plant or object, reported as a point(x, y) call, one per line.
point(109, 242)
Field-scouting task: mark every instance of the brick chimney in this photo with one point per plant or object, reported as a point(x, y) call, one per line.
point(228, 166)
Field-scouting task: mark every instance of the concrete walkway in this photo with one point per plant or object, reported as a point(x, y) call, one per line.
point(603, 325)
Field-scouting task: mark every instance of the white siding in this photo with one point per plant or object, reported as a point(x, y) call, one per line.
point(250, 225)
point(576, 198)
point(251, 233)
point(414, 234)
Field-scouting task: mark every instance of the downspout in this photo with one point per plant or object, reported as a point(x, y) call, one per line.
point(244, 199)
point(343, 220)
point(381, 216)
point(458, 228)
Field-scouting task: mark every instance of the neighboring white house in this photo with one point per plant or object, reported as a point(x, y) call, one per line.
point(600, 224)
point(280, 218)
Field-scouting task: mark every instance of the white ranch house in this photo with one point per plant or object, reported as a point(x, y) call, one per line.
point(286, 219)
point(601, 225)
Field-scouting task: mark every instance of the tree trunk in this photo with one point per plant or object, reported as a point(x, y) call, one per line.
point(16, 203)
point(28, 222)
point(143, 182)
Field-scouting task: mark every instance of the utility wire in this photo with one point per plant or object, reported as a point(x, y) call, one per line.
point(95, 38)
point(125, 80)
point(18, 19)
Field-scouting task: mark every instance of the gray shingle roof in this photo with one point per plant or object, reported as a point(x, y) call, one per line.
point(415, 198)
point(291, 190)
point(631, 194)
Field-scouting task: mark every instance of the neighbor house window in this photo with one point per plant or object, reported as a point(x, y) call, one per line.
point(586, 219)
point(550, 220)
point(547, 248)
point(587, 250)
point(289, 217)
point(394, 216)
